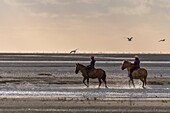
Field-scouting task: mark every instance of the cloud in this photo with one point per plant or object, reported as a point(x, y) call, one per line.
point(19, 2)
point(44, 15)
point(84, 8)
point(130, 11)
point(90, 10)
point(54, 2)
point(131, 7)
point(160, 3)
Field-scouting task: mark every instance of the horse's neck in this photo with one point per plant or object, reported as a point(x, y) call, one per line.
point(129, 67)
point(83, 69)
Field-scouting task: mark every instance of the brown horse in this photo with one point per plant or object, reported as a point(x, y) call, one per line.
point(93, 73)
point(140, 73)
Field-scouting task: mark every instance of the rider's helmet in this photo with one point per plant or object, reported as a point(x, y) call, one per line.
point(136, 56)
point(92, 57)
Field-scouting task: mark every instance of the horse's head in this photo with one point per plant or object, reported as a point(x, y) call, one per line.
point(126, 64)
point(80, 67)
point(77, 68)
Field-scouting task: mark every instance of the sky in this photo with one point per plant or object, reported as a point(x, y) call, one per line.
point(87, 25)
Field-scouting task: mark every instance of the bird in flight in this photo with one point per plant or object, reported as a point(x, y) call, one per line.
point(73, 51)
point(162, 40)
point(129, 38)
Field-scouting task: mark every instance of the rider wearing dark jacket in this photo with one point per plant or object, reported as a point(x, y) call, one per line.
point(92, 63)
point(136, 65)
point(91, 66)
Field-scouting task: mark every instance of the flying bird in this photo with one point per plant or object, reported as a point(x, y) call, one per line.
point(73, 51)
point(161, 40)
point(129, 38)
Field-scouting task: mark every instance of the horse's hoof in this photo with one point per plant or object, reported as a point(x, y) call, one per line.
point(144, 88)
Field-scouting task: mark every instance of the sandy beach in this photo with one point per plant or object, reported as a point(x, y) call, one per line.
point(33, 86)
point(82, 105)
point(47, 93)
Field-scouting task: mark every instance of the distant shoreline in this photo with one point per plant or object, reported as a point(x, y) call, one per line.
point(85, 53)
point(81, 56)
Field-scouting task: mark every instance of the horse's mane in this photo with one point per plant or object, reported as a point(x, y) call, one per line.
point(81, 65)
point(128, 62)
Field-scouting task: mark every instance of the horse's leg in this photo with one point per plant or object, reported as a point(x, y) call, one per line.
point(143, 84)
point(104, 80)
point(84, 81)
point(99, 82)
point(129, 83)
point(87, 81)
point(143, 81)
point(133, 83)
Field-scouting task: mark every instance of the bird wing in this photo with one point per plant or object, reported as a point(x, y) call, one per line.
point(71, 51)
point(161, 40)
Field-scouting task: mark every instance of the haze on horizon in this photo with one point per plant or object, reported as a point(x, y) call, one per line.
point(89, 25)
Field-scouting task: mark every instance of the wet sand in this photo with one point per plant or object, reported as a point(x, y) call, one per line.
point(27, 103)
point(81, 105)
point(46, 83)
point(46, 78)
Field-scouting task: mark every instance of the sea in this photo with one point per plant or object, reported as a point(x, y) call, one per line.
point(64, 64)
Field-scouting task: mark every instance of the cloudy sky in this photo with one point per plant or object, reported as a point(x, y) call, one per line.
point(89, 25)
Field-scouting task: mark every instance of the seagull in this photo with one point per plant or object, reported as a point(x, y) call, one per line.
point(73, 51)
point(129, 39)
point(161, 40)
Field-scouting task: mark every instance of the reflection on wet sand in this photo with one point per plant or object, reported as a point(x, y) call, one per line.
point(47, 83)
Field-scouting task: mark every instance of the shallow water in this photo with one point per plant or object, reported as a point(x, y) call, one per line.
point(64, 65)
point(151, 91)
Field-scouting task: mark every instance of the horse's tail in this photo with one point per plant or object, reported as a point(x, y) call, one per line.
point(104, 75)
point(104, 78)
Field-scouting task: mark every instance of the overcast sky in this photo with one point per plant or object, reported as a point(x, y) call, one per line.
point(89, 25)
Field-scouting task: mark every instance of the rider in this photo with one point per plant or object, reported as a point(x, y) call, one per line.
point(91, 66)
point(136, 65)
point(92, 63)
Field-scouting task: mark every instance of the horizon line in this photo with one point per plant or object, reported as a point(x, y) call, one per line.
point(87, 52)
